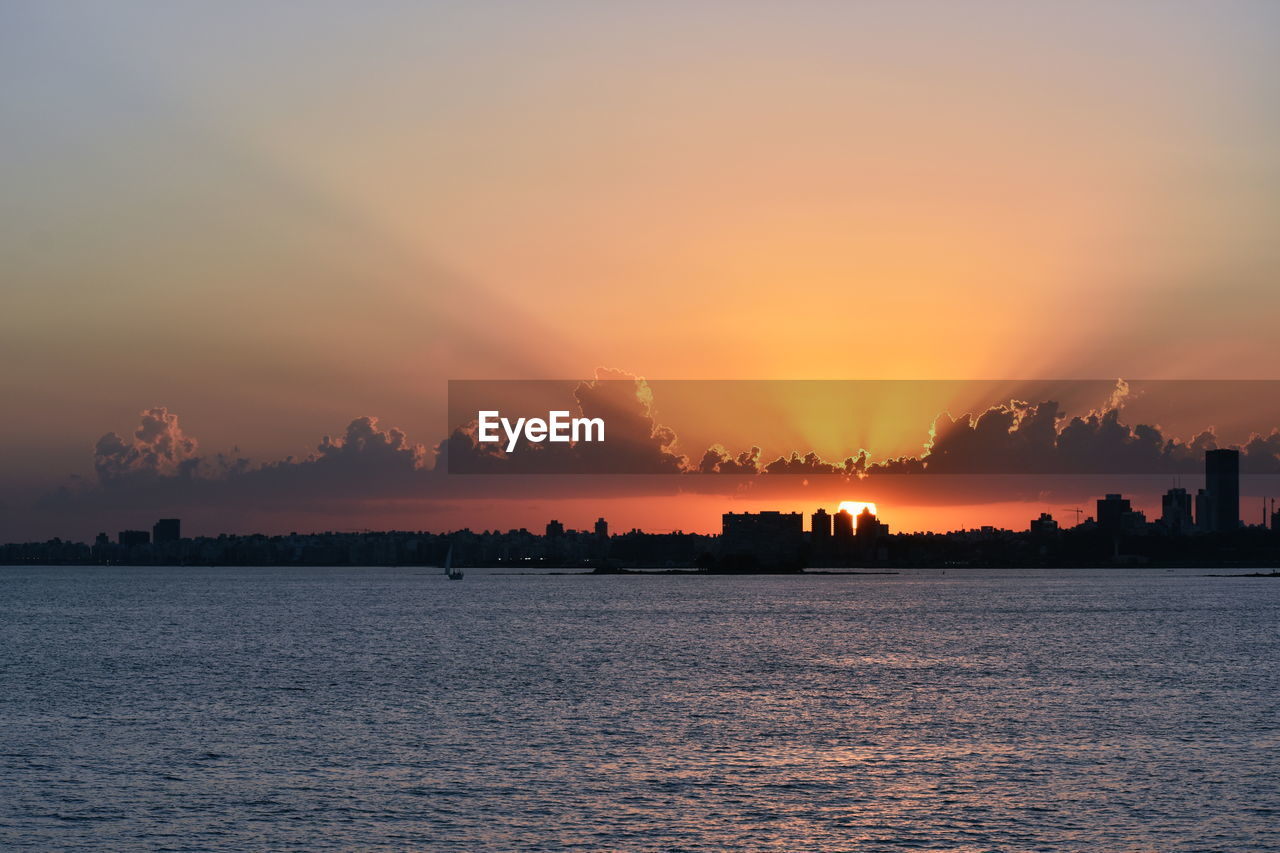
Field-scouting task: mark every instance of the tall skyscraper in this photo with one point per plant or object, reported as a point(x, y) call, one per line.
point(600, 548)
point(843, 525)
point(1222, 485)
point(869, 527)
point(1202, 510)
point(820, 525)
point(1175, 511)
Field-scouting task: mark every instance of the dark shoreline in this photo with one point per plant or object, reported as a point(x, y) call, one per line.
point(1275, 573)
point(1272, 574)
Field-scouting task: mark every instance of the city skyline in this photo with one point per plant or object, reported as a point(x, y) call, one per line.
point(1213, 509)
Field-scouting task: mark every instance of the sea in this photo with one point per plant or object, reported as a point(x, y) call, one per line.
point(370, 709)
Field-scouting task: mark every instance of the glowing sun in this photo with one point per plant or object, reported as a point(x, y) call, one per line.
point(856, 507)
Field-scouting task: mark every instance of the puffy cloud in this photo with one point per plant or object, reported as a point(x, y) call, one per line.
point(368, 465)
point(365, 444)
point(365, 461)
point(161, 463)
point(1013, 437)
point(717, 460)
point(1261, 453)
point(159, 448)
point(1024, 438)
point(1120, 395)
point(635, 443)
point(811, 464)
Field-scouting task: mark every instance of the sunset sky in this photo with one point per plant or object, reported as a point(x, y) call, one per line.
point(275, 219)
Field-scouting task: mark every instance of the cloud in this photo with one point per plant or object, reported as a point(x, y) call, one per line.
point(717, 460)
point(159, 448)
point(1013, 437)
point(811, 464)
point(1010, 438)
point(1018, 437)
point(1024, 438)
point(160, 470)
point(635, 442)
point(1261, 453)
point(365, 461)
point(365, 445)
point(1120, 395)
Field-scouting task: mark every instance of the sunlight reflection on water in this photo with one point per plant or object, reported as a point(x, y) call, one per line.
point(388, 709)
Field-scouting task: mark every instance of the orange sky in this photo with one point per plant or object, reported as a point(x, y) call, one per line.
point(273, 221)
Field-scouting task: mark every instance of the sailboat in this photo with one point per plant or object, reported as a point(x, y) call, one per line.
point(449, 571)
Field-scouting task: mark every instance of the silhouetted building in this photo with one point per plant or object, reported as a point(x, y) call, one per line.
point(822, 547)
point(102, 547)
point(769, 541)
point(554, 529)
point(1222, 485)
point(1045, 525)
point(1111, 511)
point(763, 540)
point(599, 547)
point(820, 526)
point(1117, 515)
point(1202, 510)
point(753, 524)
point(868, 527)
point(1175, 511)
point(166, 530)
point(132, 538)
point(842, 526)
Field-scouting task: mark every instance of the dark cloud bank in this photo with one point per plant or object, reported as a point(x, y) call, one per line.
point(161, 466)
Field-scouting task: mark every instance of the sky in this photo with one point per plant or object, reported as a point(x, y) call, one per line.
point(275, 220)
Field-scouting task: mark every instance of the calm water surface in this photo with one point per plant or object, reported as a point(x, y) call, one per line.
point(389, 709)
